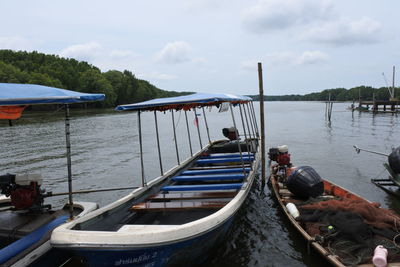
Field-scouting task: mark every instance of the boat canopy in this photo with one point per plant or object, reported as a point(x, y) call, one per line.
point(12, 94)
point(185, 102)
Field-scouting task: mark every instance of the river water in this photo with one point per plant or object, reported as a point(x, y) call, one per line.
point(105, 154)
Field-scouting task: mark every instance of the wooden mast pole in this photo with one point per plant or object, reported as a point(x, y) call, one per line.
point(260, 83)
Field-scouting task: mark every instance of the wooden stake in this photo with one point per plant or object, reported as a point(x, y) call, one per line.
point(260, 82)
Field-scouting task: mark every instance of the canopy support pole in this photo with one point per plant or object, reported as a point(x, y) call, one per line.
point(247, 122)
point(245, 134)
point(68, 147)
point(141, 150)
point(251, 121)
point(205, 120)
point(188, 132)
point(197, 125)
point(158, 142)
point(255, 119)
point(176, 143)
point(237, 140)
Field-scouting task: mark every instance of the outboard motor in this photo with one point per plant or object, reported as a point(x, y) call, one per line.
point(305, 182)
point(231, 133)
point(24, 190)
point(394, 160)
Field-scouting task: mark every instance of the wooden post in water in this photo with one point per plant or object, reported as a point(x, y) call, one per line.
point(260, 83)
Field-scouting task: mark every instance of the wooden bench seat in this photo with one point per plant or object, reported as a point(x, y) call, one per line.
point(192, 195)
point(178, 205)
point(202, 187)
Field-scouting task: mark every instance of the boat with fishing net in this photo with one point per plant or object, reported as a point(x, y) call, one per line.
point(179, 217)
point(346, 229)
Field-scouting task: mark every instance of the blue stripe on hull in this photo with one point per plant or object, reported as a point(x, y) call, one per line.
point(183, 253)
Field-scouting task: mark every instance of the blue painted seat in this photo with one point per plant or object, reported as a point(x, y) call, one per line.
point(215, 171)
point(223, 160)
point(215, 156)
point(201, 187)
point(20, 245)
point(194, 178)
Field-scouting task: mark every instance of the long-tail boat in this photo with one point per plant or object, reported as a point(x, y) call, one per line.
point(346, 229)
point(180, 216)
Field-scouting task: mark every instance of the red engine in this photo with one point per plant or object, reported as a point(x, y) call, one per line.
point(24, 190)
point(25, 197)
point(283, 159)
point(280, 155)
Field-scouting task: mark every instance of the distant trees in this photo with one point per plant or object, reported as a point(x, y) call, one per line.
point(50, 70)
point(338, 94)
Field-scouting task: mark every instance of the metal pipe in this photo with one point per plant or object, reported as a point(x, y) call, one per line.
point(176, 143)
point(255, 117)
point(205, 120)
point(141, 150)
point(51, 194)
point(251, 120)
point(158, 142)
point(358, 150)
point(248, 119)
point(247, 122)
point(245, 134)
point(187, 128)
point(68, 147)
point(197, 125)
point(237, 140)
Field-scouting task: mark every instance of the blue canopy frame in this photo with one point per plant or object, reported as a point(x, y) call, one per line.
point(12, 94)
point(198, 99)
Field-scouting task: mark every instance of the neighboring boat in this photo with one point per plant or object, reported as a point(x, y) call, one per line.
point(179, 217)
point(392, 183)
point(25, 221)
point(340, 225)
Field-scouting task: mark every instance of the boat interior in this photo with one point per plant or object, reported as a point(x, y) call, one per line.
point(15, 225)
point(205, 185)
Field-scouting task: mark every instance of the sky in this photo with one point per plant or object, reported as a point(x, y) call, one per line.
point(214, 45)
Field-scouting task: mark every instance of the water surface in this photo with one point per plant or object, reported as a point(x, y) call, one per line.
point(105, 153)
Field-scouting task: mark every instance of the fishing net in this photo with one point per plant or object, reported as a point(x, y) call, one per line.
point(352, 228)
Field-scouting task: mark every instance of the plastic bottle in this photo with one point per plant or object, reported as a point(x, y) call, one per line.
point(380, 255)
point(293, 210)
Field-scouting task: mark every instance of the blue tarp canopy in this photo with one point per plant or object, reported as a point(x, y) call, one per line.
point(173, 102)
point(32, 94)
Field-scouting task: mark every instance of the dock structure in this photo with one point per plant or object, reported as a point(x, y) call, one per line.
point(391, 106)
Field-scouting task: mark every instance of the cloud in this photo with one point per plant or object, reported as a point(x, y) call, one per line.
point(199, 60)
point(122, 54)
point(267, 15)
point(346, 32)
point(311, 57)
point(249, 65)
point(15, 43)
point(174, 53)
point(85, 52)
point(292, 58)
point(159, 76)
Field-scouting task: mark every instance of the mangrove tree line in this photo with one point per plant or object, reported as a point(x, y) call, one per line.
point(67, 73)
